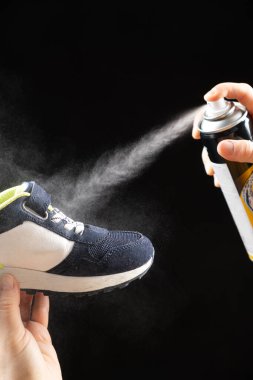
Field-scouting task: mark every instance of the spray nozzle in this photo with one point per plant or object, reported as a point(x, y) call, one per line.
point(217, 108)
point(217, 105)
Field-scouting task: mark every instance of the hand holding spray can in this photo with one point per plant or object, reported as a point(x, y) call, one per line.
point(221, 120)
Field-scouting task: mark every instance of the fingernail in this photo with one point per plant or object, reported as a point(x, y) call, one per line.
point(210, 93)
point(6, 282)
point(229, 146)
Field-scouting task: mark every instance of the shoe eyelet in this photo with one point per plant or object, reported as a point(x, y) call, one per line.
point(30, 211)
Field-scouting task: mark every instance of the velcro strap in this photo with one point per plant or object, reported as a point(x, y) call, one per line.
point(39, 200)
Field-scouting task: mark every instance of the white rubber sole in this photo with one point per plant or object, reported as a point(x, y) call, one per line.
point(34, 279)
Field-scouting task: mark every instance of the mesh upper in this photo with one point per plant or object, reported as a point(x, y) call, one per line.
point(113, 239)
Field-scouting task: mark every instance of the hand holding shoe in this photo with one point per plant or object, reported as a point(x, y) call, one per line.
point(26, 350)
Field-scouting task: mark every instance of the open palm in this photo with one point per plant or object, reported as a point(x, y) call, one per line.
point(26, 350)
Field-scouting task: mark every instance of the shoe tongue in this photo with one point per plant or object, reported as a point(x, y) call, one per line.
point(39, 199)
point(28, 188)
point(25, 186)
point(21, 188)
point(10, 195)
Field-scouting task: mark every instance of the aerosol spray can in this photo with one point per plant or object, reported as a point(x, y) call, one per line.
point(221, 120)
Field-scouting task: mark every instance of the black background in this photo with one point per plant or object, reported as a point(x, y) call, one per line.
point(77, 80)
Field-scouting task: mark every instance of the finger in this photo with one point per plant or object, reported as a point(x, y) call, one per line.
point(243, 92)
point(234, 150)
point(25, 306)
point(10, 319)
point(207, 163)
point(39, 332)
point(40, 309)
point(216, 182)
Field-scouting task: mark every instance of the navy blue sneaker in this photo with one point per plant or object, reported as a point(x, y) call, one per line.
point(48, 252)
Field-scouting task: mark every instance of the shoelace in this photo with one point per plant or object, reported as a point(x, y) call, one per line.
point(70, 223)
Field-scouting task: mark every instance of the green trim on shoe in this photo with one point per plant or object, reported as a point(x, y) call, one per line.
point(10, 195)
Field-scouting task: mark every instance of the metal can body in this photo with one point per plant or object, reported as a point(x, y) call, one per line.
point(236, 179)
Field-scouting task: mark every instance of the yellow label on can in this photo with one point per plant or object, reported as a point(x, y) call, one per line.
point(246, 194)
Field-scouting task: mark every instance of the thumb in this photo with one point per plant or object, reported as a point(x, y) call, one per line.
point(236, 150)
point(10, 319)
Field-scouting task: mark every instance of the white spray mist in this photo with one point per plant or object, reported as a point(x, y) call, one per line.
point(94, 185)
